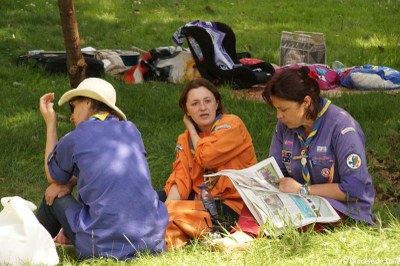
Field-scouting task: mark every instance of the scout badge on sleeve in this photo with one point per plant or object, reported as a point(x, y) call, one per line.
point(353, 161)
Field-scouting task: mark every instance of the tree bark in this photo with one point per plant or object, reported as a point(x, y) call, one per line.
point(76, 64)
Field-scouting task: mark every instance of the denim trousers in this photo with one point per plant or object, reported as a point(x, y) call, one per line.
point(53, 217)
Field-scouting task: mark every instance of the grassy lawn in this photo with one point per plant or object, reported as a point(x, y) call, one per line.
point(357, 32)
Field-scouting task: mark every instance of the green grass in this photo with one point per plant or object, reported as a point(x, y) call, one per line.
point(357, 32)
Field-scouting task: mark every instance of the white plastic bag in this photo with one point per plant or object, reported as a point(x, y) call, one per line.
point(22, 238)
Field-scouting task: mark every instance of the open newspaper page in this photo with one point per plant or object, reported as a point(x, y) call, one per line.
point(258, 188)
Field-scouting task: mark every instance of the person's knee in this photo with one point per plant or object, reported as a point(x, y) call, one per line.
point(64, 202)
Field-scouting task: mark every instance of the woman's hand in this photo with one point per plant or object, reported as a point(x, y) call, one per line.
point(331, 190)
point(188, 123)
point(57, 190)
point(289, 185)
point(46, 108)
point(194, 136)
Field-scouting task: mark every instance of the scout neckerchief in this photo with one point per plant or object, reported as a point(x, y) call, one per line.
point(306, 143)
point(101, 116)
point(206, 171)
point(212, 129)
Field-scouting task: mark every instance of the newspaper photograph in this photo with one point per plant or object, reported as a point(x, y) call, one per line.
point(261, 176)
point(257, 185)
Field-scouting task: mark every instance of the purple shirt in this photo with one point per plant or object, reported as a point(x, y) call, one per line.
point(118, 202)
point(339, 146)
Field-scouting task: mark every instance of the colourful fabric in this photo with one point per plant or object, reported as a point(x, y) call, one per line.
point(168, 63)
point(120, 213)
point(229, 146)
point(369, 77)
point(327, 78)
point(339, 147)
point(102, 116)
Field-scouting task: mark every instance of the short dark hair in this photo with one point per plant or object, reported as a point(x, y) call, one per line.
point(101, 107)
point(201, 82)
point(294, 85)
point(96, 105)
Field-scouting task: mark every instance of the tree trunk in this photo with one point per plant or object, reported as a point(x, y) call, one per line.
point(76, 64)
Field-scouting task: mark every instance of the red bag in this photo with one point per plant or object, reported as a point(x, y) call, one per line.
point(328, 79)
point(250, 61)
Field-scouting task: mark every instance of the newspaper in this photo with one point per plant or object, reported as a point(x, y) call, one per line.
point(258, 188)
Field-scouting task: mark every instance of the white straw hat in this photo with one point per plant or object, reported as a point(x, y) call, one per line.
point(97, 89)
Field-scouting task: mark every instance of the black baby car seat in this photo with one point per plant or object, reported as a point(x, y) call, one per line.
point(201, 45)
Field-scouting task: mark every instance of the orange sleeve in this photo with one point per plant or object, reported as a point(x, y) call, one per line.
point(180, 171)
point(229, 140)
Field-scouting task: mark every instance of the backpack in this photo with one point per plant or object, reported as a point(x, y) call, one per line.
point(213, 46)
point(56, 62)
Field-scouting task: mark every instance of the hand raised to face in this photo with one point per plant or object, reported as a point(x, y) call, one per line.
point(46, 108)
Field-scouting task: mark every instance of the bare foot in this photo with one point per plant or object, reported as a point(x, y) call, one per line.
point(61, 238)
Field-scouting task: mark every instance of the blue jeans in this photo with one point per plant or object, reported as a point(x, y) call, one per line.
point(54, 217)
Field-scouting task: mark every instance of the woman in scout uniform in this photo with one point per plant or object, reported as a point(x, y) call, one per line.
point(319, 147)
point(105, 158)
point(212, 141)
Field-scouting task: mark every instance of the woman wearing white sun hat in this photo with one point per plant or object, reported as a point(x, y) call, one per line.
point(105, 158)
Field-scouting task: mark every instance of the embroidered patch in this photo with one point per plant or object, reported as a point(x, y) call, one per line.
point(179, 147)
point(288, 143)
point(322, 148)
point(353, 161)
point(286, 157)
point(347, 129)
point(222, 126)
point(325, 172)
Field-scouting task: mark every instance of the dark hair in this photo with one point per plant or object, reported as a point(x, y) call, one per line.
point(96, 105)
point(294, 85)
point(201, 82)
point(100, 107)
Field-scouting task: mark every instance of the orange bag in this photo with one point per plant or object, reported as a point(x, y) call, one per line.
point(188, 219)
